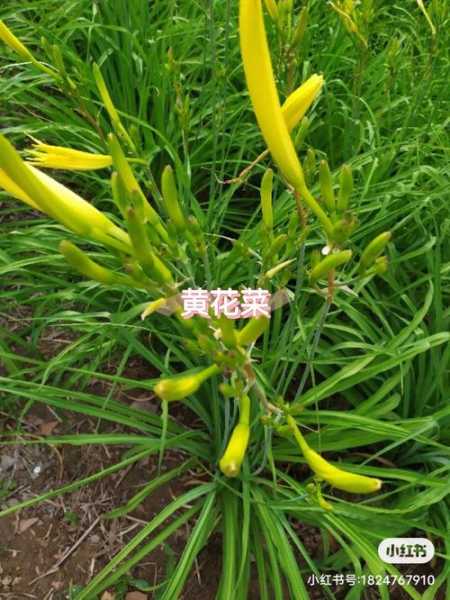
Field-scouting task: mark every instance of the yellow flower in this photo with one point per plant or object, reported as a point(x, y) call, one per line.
point(40, 191)
point(58, 157)
point(338, 478)
point(296, 105)
point(7, 36)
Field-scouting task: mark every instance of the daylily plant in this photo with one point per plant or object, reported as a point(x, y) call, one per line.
point(151, 246)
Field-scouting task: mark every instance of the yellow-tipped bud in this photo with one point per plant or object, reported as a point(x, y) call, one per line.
point(153, 307)
point(296, 105)
point(275, 270)
point(231, 462)
point(181, 386)
point(57, 157)
point(338, 478)
point(7, 36)
point(266, 103)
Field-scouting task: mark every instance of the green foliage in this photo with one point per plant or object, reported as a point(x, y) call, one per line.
point(377, 346)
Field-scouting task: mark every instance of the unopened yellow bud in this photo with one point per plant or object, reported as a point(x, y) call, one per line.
point(263, 91)
point(296, 105)
point(231, 462)
point(181, 386)
point(338, 478)
point(266, 103)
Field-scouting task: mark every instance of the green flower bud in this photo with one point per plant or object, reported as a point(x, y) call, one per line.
point(345, 189)
point(328, 264)
point(251, 332)
point(300, 28)
point(373, 250)
point(266, 199)
point(170, 196)
point(152, 266)
point(326, 186)
point(81, 262)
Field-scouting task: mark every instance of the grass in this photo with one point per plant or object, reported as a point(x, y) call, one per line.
point(369, 378)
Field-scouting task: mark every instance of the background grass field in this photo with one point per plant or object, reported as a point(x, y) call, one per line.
point(174, 71)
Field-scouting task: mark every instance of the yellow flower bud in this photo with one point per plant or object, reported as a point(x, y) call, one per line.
point(296, 105)
point(153, 307)
point(57, 157)
point(338, 478)
point(231, 462)
point(266, 103)
point(181, 386)
point(263, 91)
point(7, 36)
